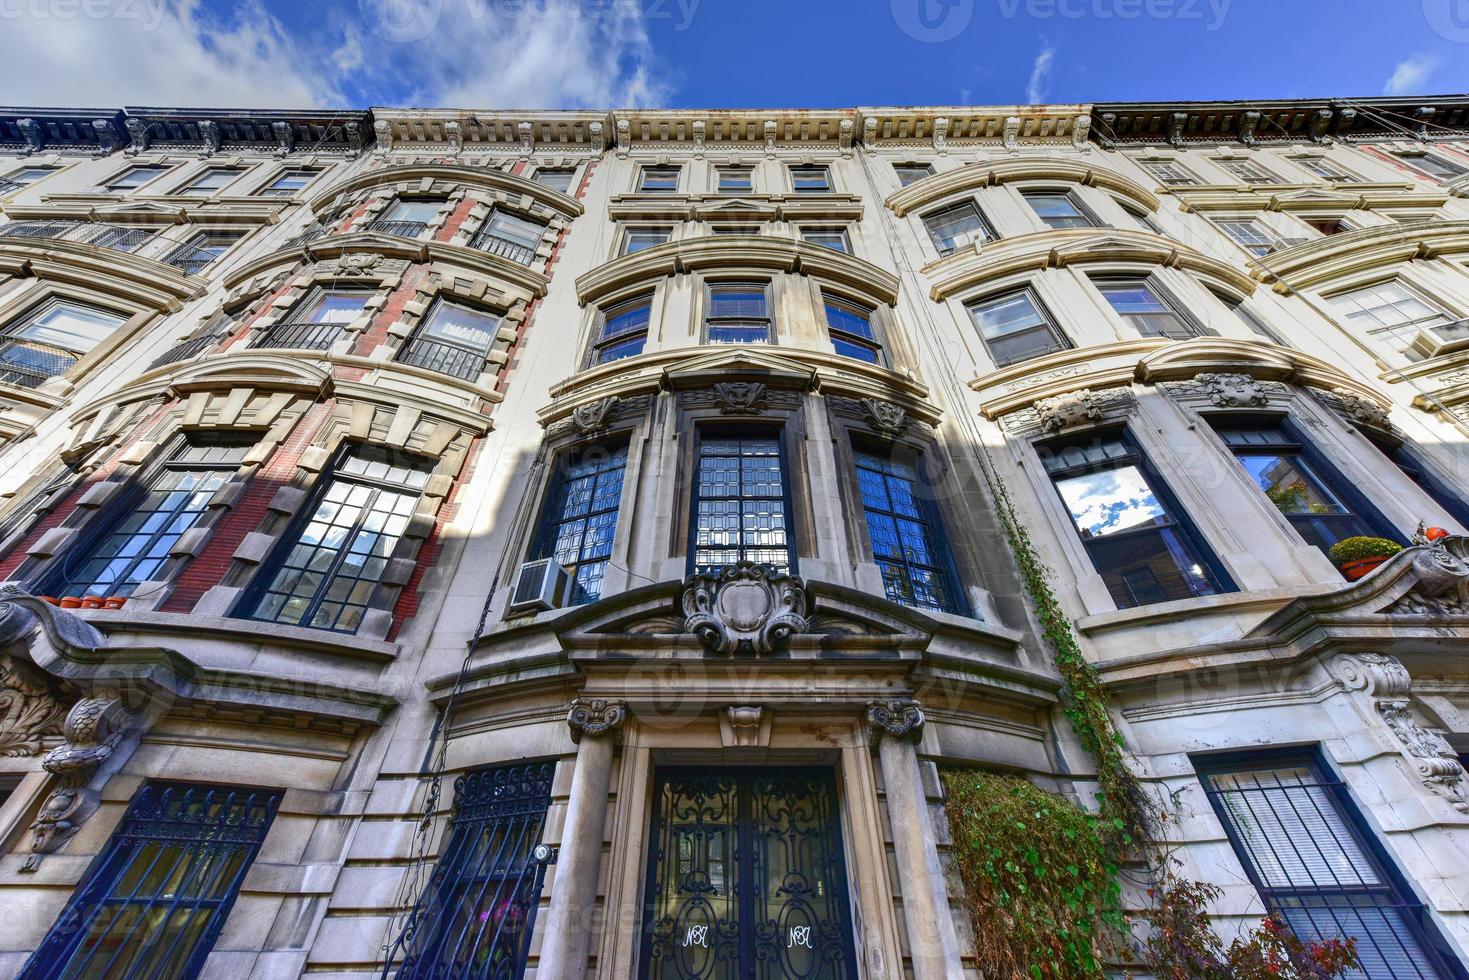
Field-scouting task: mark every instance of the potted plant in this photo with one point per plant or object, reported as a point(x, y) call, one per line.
point(70, 602)
point(1358, 556)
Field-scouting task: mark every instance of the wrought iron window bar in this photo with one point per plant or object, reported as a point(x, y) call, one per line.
point(505, 248)
point(402, 229)
point(456, 362)
point(308, 335)
point(186, 350)
point(190, 259)
point(29, 364)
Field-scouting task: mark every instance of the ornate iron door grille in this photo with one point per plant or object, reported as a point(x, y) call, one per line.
point(157, 897)
point(746, 877)
point(475, 917)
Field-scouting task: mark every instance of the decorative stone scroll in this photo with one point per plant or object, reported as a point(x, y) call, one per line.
point(885, 417)
point(1440, 587)
point(595, 717)
point(740, 397)
point(592, 418)
point(897, 719)
point(1065, 411)
point(28, 711)
point(744, 608)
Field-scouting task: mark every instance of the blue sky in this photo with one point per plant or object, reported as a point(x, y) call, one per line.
point(720, 53)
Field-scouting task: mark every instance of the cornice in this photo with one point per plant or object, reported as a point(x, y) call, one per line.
point(544, 130)
point(145, 282)
point(489, 179)
point(1281, 121)
point(923, 192)
point(736, 253)
point(1324, 260)
point(745, 128)
point(937, 126)
point(1305, 197)
point(982, 262)
point(723, 208)
point(277, 131)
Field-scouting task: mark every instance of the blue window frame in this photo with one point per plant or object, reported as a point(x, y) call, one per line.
point(1317, 866)
point(850, 327)
point(907, 534)
point(1138, 538)
point(326, 572)
point(1414, 468)
point(476, 916)
point(623, 330)
point(1318, 501)
point(741, 503)
point(154, 901)
point(579, 519)
point(137, 540)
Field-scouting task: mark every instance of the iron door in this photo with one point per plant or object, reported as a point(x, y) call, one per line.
point(746, 877)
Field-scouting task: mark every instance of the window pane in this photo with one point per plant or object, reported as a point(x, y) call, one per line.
point(460, 325)
point(624, 331)
point(955, 227)
point(1058, 210)
point(807, 179)
point(1137, 301)
point(557, 180)
point(514, 228)
point(134, 177)
point(637, 239)
point(335, 307)
point(420, 211)
point(908, 542)
point(909, 172)
point(735, 179)
point(1014, 328)
point(659, 179)
point(739, 504)
point(580, 518)
point(832, 238)
point(70, 326)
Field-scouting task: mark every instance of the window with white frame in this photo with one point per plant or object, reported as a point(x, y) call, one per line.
point(1169, 172)
point(1248, 171)
point(810, 179)
point(1059, 209)
point(736, 180)
point(134, 177)
point(957, 225)
point(453, 339)
point(738, 313)
point(1143, 304)
point(833, 237)
point(288, 182)
point(1248, 234)
point(658, 179)
point(1327, 170)
point(638, 237)
point(556, 178)
point(909, 173)
point(48, 339)
point(24, 177)
point(1391, 310)
point(210, 182)
point(1016, 327)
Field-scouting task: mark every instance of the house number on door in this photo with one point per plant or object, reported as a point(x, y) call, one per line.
point(697, 936)
point(800, 936)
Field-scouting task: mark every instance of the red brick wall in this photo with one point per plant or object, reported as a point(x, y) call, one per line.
point(412, 596)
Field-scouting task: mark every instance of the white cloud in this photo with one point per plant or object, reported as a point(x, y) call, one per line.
point(1411, 75)
point(1040, 76)
point(471, 53)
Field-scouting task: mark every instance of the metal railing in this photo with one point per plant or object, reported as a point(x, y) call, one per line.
point(120, 238)
point(38, 229)
point(306, 335)
point(505, 248)
point(457, 362)
point(403, 229)
point(190, 259)
point(29, 364)
point(186, 350)
point(307, 236)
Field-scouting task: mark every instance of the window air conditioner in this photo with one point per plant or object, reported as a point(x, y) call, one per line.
point(540, 584)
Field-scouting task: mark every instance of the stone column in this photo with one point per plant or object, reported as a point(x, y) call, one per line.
point(895, 728)
point(569, 919)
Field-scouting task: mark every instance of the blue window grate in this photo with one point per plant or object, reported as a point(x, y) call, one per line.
point(741, 505)
point(157, 897)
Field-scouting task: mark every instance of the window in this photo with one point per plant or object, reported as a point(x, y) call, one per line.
point(453, 340)
point(849, 325)
point(479, 906)
point(556, 178)
point(658, 180)
point(1313, 496)
point(832, 238)
point(1141, 218)
point(910, 172)
point(1328, 226)
point(202, 248)
point(624, 330)
point(1169, 173)
point(24, 177)
point(1327, 170)
point(1436, 166)
point(1141, 304)
point(1392, 311)
point(958, 225)
point(736, 180)
point(287, 183)
point(1137, 537)
point(1248, 235)
point(510, 236)
point(740, 503)
point(210, 182)
point(154, 901)
point(51, 338)
point(133, 178)
point(810, 179)
point(136, 542)
point(1252, 320)
point(636, 239)
point(739, 313)
point(580, 517)
point(1409, 462)
point(1059, 209)
point(121, 238)
point(908, 539)
point(325, 574)
point(1016, 327)
point(407, 217)
point(745, 229)
point(316, 322)
point(1304, 845)
point(1248, 171)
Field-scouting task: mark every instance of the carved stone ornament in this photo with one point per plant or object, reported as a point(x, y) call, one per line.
point(31, 132)
point(1010, 134)
point(285, 138)
point(739, 397)
point(58, 819)
point(28, 712)
point(213, 139)
point(1441, 586)
point(352, 264)
point(595, 717)
point(592, 418)
point(744, 726)
point(138, 134)
point(108, 138)
point(1233, 390)
point(1361, 409)
point(898, 719)
point(744, 608)
point(885, 417)
point(455, 137)
point(384, 137)
point(1064, 411)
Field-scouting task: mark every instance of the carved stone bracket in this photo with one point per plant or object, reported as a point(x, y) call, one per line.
point(898, 719)
point(28, 710)
point(744, 726)
point(1233, 390)
point(213, 139)
point(1064, 411)
point(592, 418)
point(744, 608)
point(595, 717)
point(1440, 587)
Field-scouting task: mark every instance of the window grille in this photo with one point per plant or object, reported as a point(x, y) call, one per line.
point(741, 504)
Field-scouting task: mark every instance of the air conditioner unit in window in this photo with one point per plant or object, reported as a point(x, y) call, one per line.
point(540, 584)
point(1441, 339)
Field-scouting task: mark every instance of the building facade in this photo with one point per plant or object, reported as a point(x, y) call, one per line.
point(475, 543)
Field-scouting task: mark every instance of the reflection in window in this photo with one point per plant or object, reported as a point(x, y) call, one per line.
point(636, 239)
point(1058, 209)
point(624, 330)
point(1015, 327)
point(316, 322)
point(51, 338)
point(1133, 530)
point(287, 183)
point(658, 180)
point(407, 218)
point(1437, 166)
point(1141, 304)
point(580, 517)
point(509, 235)
point(850, 327)
point(910, 172)
point(133, 177)
point(736, 180)
point(210, 182)
point(740, 511)
point(1169, 173)
point(1406, 459)
point(1390, 310)
point(832, 238)
point(453, 340)
point(1248, 171)
point(325, 574)
point(908, 540)
point(1302, 485)
point(954, 227)
point(1327, 170)
point(139, 538)
point(739, 313)
point(810, 179)
point(556, 178)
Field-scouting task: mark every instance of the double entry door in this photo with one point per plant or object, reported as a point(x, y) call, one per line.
point(746, 877)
